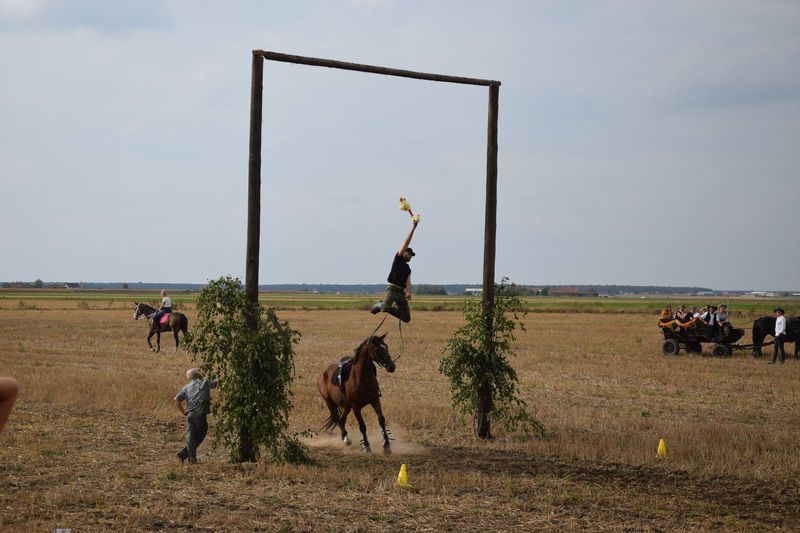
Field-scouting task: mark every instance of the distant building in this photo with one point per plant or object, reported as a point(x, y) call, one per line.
point(574, 292)
point(473, 291)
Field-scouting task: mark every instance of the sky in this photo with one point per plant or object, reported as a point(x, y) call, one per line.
point(640, 142)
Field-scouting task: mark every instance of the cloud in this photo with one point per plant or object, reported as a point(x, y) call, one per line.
point(96, 15)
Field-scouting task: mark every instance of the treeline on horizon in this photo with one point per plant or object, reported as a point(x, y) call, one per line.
point(332, 288)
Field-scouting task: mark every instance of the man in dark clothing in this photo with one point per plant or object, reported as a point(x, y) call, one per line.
point(398, 292)
point(197, 395)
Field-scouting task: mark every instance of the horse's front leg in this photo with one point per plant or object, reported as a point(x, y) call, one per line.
point(342, 421)
point(382, 421)
point(363, 427)
point(150, 344)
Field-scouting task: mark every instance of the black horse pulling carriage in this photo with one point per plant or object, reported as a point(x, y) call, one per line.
point(692, 338)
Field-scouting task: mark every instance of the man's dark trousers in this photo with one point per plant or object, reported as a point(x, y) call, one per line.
point(196, 429)
point(779, 348)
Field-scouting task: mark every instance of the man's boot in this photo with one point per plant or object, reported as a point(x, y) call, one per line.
point(376, 308)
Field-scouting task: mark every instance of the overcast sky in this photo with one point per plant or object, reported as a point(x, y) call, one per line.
point(650, 143)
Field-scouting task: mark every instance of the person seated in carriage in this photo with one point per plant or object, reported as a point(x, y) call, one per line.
point(722, 315)
point(694, 312)
point(710, 318)
point(165, 309)
point(666, 315)
point(683, 315)
point(722, 319)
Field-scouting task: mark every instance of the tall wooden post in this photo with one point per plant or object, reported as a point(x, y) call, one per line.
point(254, 180)
point(246, 449)
point(490, 227)
point(482, 425)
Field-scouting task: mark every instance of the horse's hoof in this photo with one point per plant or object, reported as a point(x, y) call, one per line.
point(347, 441)
point(367, 449)
point(387, 450)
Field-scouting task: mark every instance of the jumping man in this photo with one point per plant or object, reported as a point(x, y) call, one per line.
point(398, 292)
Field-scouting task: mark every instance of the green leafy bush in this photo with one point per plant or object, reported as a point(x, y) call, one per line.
point(477, 364)
point(255, 368)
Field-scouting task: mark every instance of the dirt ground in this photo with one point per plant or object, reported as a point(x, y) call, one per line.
point(91, 443)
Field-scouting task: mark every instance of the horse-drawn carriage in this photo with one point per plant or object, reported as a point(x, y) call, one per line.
point(692, 337)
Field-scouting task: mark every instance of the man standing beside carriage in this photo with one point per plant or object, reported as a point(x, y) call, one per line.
point(780, 336)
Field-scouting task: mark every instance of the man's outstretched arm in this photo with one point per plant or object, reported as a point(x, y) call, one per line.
point(408, 239)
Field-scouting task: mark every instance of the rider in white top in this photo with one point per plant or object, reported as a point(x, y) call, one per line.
point(166, 308)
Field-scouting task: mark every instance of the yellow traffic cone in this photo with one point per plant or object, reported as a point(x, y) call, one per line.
point(662, 449)
point(402, 477)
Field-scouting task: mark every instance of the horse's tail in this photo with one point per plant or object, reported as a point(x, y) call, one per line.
point(185, 324)
point(760, 327)
point(331, 423)
point(757, 338)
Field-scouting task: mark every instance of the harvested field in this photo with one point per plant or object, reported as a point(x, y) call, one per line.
point(91, 443)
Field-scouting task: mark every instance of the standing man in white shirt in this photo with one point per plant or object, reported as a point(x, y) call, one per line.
point(780, 336)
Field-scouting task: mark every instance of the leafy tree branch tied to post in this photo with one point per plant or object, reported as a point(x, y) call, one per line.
point(482, 381)
point(255, 366)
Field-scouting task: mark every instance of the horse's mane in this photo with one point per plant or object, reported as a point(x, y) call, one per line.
point(146, 309)
point(366, 341)
point(358, 348)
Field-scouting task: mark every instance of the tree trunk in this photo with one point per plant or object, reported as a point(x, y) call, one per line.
point(247, 453)
point(482, 426)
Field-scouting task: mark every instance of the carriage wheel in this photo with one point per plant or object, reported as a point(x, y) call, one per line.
point(720, 350)
point(670, 347)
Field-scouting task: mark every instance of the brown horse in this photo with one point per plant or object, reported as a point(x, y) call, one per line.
point(360, 389)
point(175, 322)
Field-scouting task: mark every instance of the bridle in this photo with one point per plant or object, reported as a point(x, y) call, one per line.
point(371, 349)
point(138, 312)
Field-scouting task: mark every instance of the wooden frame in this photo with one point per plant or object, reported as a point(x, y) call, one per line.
point(254, 167)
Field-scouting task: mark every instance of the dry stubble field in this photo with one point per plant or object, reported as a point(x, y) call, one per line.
point(91, 443)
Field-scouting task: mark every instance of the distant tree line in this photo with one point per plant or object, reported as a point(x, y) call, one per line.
point(431, 289)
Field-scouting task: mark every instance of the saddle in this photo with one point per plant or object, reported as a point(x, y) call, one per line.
point(342, 373)
point(162, 323)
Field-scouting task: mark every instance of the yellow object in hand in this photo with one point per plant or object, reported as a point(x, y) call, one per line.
point(404, 205)
point(416, 218)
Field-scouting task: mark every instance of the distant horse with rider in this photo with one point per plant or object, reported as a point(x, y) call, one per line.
point(356, 389)
point(174, 322)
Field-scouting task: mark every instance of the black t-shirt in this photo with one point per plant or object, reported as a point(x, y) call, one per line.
point(400, 272)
